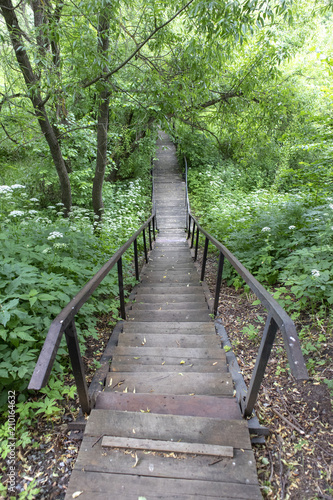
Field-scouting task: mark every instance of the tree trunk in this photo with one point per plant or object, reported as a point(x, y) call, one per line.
point(102, 143)
point(103, 118)
point(31, 82)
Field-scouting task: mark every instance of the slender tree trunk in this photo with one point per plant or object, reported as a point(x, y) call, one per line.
point(32, 84)
point(102, 143)
point(103, 118)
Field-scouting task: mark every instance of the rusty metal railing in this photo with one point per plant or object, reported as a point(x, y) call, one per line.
point(277, 318)
point(64, 323)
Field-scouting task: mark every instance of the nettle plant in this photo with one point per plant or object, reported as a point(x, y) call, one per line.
point(281, 238)
point(46, 260)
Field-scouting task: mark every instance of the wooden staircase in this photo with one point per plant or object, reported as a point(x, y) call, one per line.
point(166, 424)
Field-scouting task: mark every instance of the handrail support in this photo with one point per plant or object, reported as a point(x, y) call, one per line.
point(121, 288)
point(218, 283)
point(77, 365)
point(204, 259)
point(266, 345)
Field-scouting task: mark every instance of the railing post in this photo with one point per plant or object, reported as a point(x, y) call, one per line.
point(218, 283)
point(260, 366)
point(145, 245)
point(78, 368)
point(192, 240)
point(154, 228)
point(136, 260)
point(196, 245)
point(149, 233)
point(186, 191)
point(121, 288)
point(204, 258)
point(189, 226)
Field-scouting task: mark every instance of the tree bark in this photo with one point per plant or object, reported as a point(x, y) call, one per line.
point(32, 84)
point(102, 119)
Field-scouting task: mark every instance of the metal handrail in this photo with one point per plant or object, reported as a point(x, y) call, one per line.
point(65, 321)
point(277, 317)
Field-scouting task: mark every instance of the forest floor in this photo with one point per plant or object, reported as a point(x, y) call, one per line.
point(297, 459)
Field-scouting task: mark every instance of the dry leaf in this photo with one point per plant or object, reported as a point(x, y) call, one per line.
point(77, 494)
point(136, 461)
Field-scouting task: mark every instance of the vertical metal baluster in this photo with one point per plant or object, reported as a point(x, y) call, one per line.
point(196, 245)
point(121, 288)
point(77, 365)
point(154, 220)
point(145, 245)
point(258, 373)
point(192, 240)
point(136, 260)
point(218, 283)
point(204, 258)
point(189, 226)
point(149, 232)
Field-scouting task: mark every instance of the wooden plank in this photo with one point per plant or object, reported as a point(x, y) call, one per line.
point(166, 404)
point(182, 382)
point(169, 427)
point(102, 486)
point(170, 327)
point(170, 352)
point(171, 288)
point(180, 306)
point(200, 315)
point(170, 297)
point(122, 364)
point(167, 446)
point(169, 340)
point(92, 458)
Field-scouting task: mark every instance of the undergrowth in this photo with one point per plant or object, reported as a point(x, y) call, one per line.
point(46, 260)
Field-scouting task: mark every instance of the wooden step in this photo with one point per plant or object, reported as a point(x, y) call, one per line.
point(172, 316)
point(147, 306)
point(170, 288)
point(169, 427)
point(133, 487)
point(95, 461)
point(171, 365)
point(190, 328)
point(166, 404)
point(209, 384)
point(171, 298)
point(166, 340)
point(169, 352)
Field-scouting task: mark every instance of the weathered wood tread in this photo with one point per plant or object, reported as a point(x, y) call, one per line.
point(168, 389)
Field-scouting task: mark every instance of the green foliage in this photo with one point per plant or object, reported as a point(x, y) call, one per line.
point(46, 260)
point(280, 238)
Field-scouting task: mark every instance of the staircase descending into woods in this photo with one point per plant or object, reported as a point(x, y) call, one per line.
point(167, 424)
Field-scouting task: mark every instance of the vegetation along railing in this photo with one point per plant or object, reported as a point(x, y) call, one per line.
point(65, 321)
point(277, 317)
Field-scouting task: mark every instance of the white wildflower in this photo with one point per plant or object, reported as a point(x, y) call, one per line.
point(292, 227)
point(315, 273)
point(16, 213)
point(33, 212)
point(331, 205)
point(59, 204)
point(17, 186)
point(46, 250)
point(51, 206)
point(34, 199)
point(54, 235)
point(265, 229)
point(5, 189)
point(60, 245)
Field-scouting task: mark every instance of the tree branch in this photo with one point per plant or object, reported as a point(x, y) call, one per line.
point(139, 47)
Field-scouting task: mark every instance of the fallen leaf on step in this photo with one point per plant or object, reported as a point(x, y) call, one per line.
point(77, 494)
